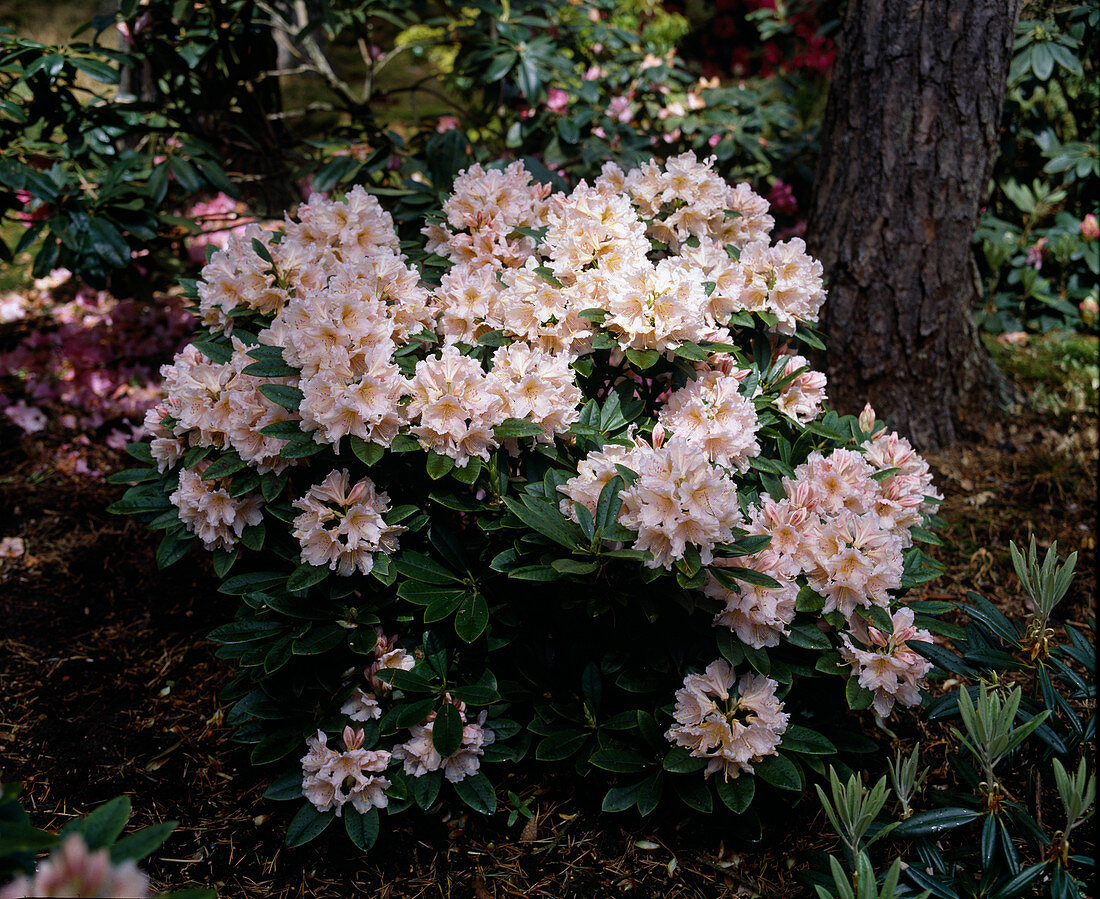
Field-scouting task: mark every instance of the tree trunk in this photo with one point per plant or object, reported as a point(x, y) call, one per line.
point(908, 143)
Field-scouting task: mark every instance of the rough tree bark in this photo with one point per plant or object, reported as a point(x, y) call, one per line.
point(908, 143)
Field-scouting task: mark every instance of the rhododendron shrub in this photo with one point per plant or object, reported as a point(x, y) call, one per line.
point(561, 485)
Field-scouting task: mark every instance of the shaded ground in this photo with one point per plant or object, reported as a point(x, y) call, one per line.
point(108, 686)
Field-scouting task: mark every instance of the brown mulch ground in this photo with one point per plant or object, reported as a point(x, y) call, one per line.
point(108, 686)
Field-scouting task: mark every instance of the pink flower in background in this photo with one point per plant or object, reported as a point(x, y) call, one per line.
point(1035, 253)
point(30, 418)
point(619, 109)
point(220, 218)
point(12, 547)
point(1090, 228)
point(557, 99)
point(782, 199)
point(74, 870)
point(1090, 311)
point(446, 123)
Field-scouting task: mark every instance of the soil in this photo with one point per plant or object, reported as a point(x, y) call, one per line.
point(108, 686)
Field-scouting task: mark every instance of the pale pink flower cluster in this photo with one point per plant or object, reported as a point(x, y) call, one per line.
point(889, 668)
point(331, 779)
point(237, 278)
point(839, 528)
point(342, 336)
point(804, 397)
point(593, 227)
point(483, 212)
point(760, 615)
point(209, 512)
point(711, 414)
point(730, 729)
point(452, 409)
point(542, 314)
point(421, 757)
point(73, 869)
point(687, 198)
point(214, 404)
point(908, 494)
point(658, 307)
point(783, 280)
point(535, 386)
point(678, 499)
point(352, 229)
point(12, 547)
point(468, 303)
point(341, 525)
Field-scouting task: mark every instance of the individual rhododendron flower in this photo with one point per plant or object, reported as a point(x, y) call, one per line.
point(421, 757)
point(888, 668)
point(731, 728)
point(209, 512)
point(803, 397)
point(331, 779)
point(341, 525)
point(75, 870)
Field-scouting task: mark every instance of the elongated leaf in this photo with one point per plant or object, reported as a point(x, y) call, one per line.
point(102, 826)
point(362, 827)
point(779, 771)
point(135, 846)
point(472, 618)
point(421, 568)
point(305, 576)
point(736, 792)
point(547, 520)
point(447, 731)
point(307, 825)
point(801, 739)
point(477, 792)
point(935, 822)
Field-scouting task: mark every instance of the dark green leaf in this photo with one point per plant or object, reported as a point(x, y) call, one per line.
point(307, 825)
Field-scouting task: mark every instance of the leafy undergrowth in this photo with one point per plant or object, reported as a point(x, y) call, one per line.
point(110, 687)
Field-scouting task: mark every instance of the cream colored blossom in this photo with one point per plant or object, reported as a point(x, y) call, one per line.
point(730, 728)
point(888, 668)
point(421, 757)
point(803, 398)
point(331, 779)
point(452, 410)
point(711, 414)
point(341, 525)
point(536, 386)
point(209, 512)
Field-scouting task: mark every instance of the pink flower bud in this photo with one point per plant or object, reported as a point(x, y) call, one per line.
point(867, 419)
point(353, 739)
point(1090, 228)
